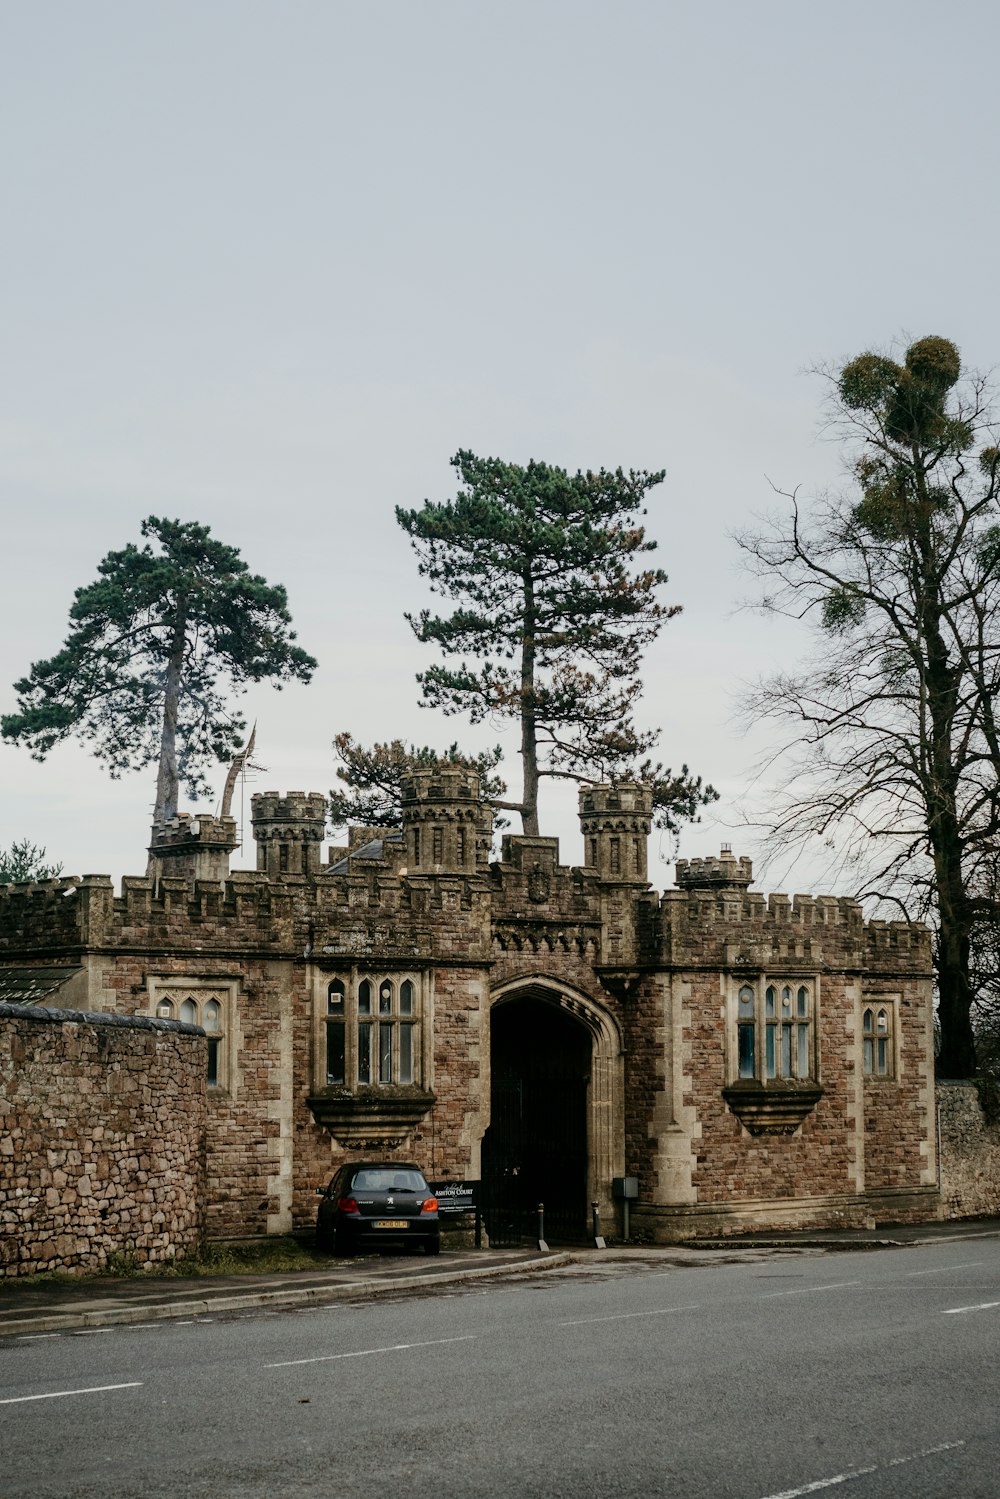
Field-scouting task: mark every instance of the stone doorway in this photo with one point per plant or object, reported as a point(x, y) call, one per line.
point(536, 1148)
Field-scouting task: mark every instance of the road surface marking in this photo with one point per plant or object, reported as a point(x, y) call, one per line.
point(824, 1483)
point(897, 1462)
point(839, 1285)
point(967, 1265)
point(981, 1306)
point(828, 1483)
point(94, 1389)
point(328, 1358)
point(36, 1337)
point(663, 1311)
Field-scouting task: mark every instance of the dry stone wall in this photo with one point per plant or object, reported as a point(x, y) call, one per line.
point(102, 1129)
point(970, 1153)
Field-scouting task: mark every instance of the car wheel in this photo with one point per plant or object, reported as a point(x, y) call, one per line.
point(432, 1246)
point(323, 1245)
point(343, 1246)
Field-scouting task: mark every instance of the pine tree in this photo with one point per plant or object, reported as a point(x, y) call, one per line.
point(371, 795)
point(25, 861)
point(156, 647)
point(551, 619)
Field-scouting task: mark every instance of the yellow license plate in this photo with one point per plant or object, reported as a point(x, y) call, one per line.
point(390, 1223)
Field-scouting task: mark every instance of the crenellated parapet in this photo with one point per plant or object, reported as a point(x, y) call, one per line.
point(720, 923)
point(724, 873)
point(616, 821)
point(288, 830)
point(57, 915)
point(447, 828)
point(192, 847)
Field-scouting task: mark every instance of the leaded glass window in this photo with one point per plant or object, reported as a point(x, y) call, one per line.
point(774, 1031)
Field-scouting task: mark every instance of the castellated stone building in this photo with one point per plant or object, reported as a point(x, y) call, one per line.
point(545, 1028)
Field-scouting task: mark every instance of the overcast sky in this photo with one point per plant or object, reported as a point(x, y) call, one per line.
point(268, 265)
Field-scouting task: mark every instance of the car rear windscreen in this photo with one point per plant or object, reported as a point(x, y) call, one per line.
point(378, 1180)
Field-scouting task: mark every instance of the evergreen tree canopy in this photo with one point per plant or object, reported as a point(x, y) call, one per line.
point(25, 861)
point(552, 616)
point(156, 647)
point(372, 792)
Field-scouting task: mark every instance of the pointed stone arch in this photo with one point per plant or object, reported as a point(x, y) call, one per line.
point(606, 1101)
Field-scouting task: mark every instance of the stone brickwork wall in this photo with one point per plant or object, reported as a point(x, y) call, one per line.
point(652, 980)
point(970, 1154)
point(102, 1127)
point(864, 1149)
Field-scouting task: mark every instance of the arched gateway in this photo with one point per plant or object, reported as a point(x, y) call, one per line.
point(556, 1132)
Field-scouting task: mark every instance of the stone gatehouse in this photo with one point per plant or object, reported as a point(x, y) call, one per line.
point(752, 1061)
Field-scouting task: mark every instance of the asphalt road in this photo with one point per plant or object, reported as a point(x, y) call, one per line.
point(862, 1373)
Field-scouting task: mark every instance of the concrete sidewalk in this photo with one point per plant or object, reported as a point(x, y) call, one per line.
point(883, 1235)
point(36, 1306)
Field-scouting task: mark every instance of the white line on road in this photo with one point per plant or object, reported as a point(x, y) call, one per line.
point(37, 1337)
point(940, 1269)
point(849, 1477)
point(95, 1389)
point(663, 1311)
point(897, 1462)
point(839, 1285)
point(824, 1483)
point(981, 1306)
point(328, 1358)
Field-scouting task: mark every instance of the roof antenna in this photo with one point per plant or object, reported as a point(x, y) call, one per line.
point(241, 763)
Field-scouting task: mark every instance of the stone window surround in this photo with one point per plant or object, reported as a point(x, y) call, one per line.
point(875, 1003)
point(175, 988)
point(351, 975)
point(760, 982)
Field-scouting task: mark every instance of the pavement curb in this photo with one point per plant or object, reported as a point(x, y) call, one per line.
point(289, 1298)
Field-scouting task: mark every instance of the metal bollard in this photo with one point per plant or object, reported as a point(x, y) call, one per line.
point(541, 1229)
point(595, 1221)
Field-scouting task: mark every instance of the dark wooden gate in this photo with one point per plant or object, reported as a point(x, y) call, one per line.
point(535, 1149)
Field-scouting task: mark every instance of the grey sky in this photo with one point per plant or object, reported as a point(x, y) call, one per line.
point(268, 265)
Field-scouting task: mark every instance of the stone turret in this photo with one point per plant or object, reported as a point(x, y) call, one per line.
point(446, 828)
point(192, 848)
point(724, 873)
point(616, 822)
point(289, 831)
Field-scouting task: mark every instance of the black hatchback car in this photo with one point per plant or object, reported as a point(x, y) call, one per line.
point(376, 1204)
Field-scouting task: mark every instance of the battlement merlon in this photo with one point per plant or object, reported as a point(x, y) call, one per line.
point(447, 827)
point(616, 821)
point(724, 873)
point(288, 830)
point(192, 847)
point(56, 914)
point(747, 922)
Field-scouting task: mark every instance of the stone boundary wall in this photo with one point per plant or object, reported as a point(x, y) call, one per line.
point(970, 1153)
point(102, 1139)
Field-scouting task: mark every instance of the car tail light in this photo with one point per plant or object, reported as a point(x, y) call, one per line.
point(347, 1205)
point(430, 1205)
